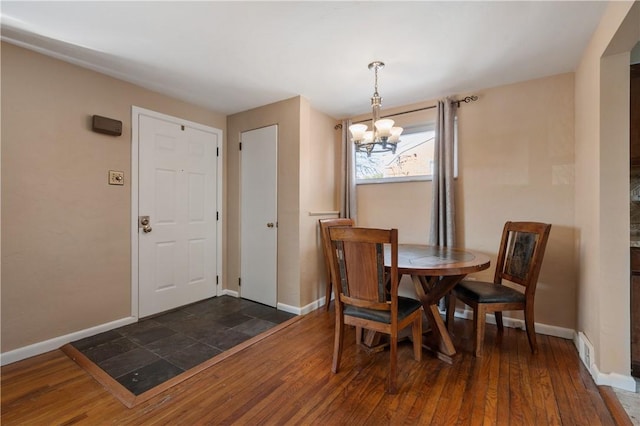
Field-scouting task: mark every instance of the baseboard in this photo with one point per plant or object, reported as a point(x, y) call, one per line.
point(57, 342)
point(302, 310)
point(587, 356)
point(226, 292)
point(615, 380)
point(547, 330)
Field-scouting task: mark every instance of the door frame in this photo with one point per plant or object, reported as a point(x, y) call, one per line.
point(135, 157)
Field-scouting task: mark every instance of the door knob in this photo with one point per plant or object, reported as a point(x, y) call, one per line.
point(270, 225)
point(143, 222)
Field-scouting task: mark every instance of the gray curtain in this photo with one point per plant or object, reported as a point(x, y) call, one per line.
point(348, 175)
point(443, 225)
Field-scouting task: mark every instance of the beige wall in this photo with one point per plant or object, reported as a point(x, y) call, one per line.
point(515, 163)
point(66, 258)
point(319, 168)
point(602, 186)
point(306, 155)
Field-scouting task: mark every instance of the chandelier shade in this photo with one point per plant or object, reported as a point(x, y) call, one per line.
point(384, 136)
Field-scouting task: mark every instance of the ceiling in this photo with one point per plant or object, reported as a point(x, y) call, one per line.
point(237, 55)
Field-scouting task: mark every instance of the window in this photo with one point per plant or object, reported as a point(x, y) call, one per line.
point(413, 159)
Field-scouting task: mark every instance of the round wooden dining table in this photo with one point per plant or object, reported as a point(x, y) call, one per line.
point(435, 270)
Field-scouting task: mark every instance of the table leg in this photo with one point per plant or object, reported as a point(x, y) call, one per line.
point(430, 292)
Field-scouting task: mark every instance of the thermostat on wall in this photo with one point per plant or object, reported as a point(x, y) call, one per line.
point(105, 125)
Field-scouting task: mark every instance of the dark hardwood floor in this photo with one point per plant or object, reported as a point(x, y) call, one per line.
point(286, 379)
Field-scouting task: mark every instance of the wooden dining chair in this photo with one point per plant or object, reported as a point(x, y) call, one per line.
point(325, 224)
point(362, 298)
point(519, 260)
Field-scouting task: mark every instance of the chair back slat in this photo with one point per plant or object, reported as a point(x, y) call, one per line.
point(365, 266)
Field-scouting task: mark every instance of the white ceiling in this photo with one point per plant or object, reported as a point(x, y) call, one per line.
point(237, 55)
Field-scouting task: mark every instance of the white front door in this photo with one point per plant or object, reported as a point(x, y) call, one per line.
point(177, 184)
point(259, 215)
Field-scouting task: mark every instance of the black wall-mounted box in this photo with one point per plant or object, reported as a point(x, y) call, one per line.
point(105, 125)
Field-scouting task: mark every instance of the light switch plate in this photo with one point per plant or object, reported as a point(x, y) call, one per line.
point(116, 177)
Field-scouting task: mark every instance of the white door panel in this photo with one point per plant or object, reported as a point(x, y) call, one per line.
point(177, 190)
point(259, 215)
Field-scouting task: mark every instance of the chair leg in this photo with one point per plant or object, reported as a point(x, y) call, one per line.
point(358, 335)
point(479, 316)
point(499, 323)
point(451, 312)
point(393, 365)
point(416, 327)
point(328, 295)
point(337, 343)
point(531, 328)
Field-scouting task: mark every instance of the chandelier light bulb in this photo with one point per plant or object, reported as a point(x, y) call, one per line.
point(395, 134)
point(357, 131)
point(384, 127)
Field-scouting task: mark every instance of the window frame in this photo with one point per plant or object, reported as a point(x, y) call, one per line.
point(415, 128)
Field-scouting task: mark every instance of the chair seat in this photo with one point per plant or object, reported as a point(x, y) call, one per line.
point(406, 306)
point(485, 292)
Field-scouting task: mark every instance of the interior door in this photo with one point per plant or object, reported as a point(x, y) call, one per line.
point(259, 215)
point(177, 195)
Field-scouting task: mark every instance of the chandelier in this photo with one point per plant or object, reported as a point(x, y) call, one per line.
point(384, 136)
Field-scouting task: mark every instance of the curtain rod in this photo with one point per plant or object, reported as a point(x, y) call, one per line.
point(466, 100)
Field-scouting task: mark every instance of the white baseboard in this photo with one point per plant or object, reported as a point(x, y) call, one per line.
point(226, 292)
point(587, 356)
point(302, 310)
point(548, 330)
point(57, 342)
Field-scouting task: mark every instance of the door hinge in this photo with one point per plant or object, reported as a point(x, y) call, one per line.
point(240, 146)
point(217, 152)
point(239, 281)
point(217, 216)
point(182, 128)
point(216, 280)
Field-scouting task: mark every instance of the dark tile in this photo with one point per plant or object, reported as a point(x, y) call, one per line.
point(138, 327)
point(233, 319)
point(149, 376)
point(151, 351)
point(196, 327)
point(203, 307)
point(171, 344)
point(151, 334)
point(109, 349)
point(225, 339)
point(96, 340)
point(172, 317)
point(254, 326)
point(128, 361)
point(267, 313)
point(193, 355)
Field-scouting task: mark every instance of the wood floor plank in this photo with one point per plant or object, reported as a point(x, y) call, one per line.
point(532, 407)
point(541, 377)
point(286, 378)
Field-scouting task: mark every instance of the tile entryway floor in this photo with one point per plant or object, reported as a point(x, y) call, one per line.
point(145, 354)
